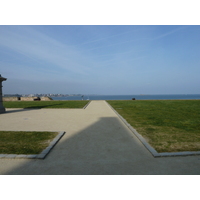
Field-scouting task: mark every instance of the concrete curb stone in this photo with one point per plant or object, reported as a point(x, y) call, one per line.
point(149, 147)
point(86, 105)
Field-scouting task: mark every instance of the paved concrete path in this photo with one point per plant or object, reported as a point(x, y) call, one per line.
point(96, 142)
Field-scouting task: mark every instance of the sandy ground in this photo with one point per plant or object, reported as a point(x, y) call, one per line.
point(96, 142)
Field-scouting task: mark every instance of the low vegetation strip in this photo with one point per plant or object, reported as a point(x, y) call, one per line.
point(20, 142)
point(167, 125)
point(44, 104)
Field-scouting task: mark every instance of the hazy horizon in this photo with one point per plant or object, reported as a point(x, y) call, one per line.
point(104, 60)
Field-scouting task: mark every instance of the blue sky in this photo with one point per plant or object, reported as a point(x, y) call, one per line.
point(91, 59)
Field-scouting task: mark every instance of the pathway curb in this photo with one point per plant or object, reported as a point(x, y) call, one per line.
point(86, 105)
point(149, 147)
point(42, 155)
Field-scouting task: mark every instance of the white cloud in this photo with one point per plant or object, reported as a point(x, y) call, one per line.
point(41, 48)
point(169, 33)
point(28, 54)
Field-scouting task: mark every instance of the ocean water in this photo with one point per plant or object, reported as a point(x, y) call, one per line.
point(129, 97)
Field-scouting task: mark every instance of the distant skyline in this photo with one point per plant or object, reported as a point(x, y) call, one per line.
point(110, 60)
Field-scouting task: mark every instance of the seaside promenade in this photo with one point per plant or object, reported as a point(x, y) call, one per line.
point(96, 142)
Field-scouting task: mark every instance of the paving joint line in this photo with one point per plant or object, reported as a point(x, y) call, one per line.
point(42, 155)
point(148, 146)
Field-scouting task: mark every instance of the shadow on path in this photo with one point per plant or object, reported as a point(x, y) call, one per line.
point(103, 148)
point(18, 110)
point(28, 108)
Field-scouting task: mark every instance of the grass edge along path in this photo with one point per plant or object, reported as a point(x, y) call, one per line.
point(167, 125)
point(45, 104)
point(25, 142)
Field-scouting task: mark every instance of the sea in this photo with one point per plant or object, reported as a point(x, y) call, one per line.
point(130, 97)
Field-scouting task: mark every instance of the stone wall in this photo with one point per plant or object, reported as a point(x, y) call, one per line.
point(27, 99)
point(11, 98)
point(46, 98)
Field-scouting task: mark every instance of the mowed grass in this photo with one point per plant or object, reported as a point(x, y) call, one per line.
point(20, 142)
point(168, 125)
point(44, 104)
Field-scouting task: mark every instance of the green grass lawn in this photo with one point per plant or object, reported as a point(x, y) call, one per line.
point(168, 125)
point(44, 104)
point(20, 142)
